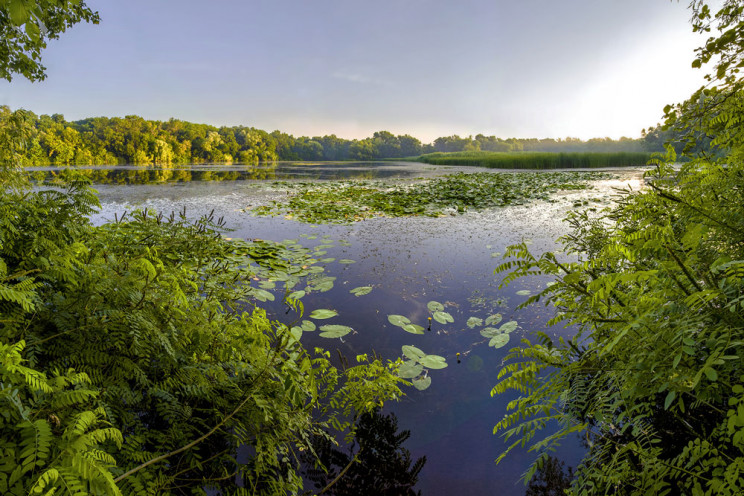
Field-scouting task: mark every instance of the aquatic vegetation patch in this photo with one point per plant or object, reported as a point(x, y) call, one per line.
point(537, 160)
point(352, 201)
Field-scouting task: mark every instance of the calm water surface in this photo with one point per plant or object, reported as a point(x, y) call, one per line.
point(409, 262)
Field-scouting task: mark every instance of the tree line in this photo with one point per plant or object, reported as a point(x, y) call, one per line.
point(135, 140)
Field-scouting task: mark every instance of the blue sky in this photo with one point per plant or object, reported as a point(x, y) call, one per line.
point(429, 68)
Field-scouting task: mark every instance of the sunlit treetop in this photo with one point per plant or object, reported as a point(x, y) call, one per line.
point(27, 25)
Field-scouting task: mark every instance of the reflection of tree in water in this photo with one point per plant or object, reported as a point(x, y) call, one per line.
point(381, 463)
point(550, 479)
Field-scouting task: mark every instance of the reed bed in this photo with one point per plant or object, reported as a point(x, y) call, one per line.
point(529, 160)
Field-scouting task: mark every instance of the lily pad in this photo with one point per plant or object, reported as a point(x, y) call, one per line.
point(509, 326)
point(412, 352)
point(422, 383)
point(296, 295)
point(398, 320)
point(308, 326)
point(262, 295)
point(346, 261)
point(433, 362)
point(489, 332)
point(334, 331)
point(499, 340)
point(435, 306)
point(443, 317)
point(493, 319)
point(410, 369)
point(524, 292)
point(413, 328)
point(474, 322)
point(323, 313)
point(361, 290)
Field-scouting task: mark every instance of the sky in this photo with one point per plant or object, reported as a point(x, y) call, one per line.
point(428, 68)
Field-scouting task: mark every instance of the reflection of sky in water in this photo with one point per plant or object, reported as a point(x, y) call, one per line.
point(410, 262)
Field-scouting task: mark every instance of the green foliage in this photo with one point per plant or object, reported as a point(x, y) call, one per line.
point(655, 287)
point(531, 160)
point(25, 27)
point(134, 358)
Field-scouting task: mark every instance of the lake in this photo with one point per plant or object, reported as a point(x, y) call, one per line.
point(408, 262)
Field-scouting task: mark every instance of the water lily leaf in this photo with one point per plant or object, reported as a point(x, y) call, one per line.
point(422, 383)
point(262, 295)
point(496, 254)
point(296, 332)
point(267, 285)
point(413, 328)
point(524, 292)
point(435, 306)
point(443, 317)
point(489, 332)
point(361, 290)
point(308, 326)
point(410, 369)
point(499, 340)
point(327, 260)
point(346, 261)
point(493, 319)
point(324, 286)
point(509, 326)
point(398, 320)
point(474, 322)
point(334, 331)
point(433, 362)
point(412, 352)
point(319, 253)
point(296, 295)
point(323, 313)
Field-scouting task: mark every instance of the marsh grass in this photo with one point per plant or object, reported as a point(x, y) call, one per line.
point(528, 160)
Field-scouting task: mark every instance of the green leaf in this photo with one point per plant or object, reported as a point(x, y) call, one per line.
point(442, 317)
point(422, 383)
point(296, 295)
point(435, 306)
point(510, 326)
point(412, 352)
point(361, 290)
point(346, 261)
point(499, 340)
point(669, 398)
point(18, 13)
point(262, 294)
point(308, 326)
point(489, 332)
point(493, 319)
point(323, 313)
point(398, 320)
point(410, 369)
point(413, 329)
point(711, 374)
point(524, 292)
point(334, 331)
point(474, 322)
point(433, 362)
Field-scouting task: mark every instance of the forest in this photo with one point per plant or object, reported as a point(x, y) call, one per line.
point(137, 141)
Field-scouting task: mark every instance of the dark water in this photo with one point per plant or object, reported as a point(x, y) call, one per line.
point(274, 171)
point(409, 262)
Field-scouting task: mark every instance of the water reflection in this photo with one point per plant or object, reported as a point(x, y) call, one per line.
point(275, 171)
